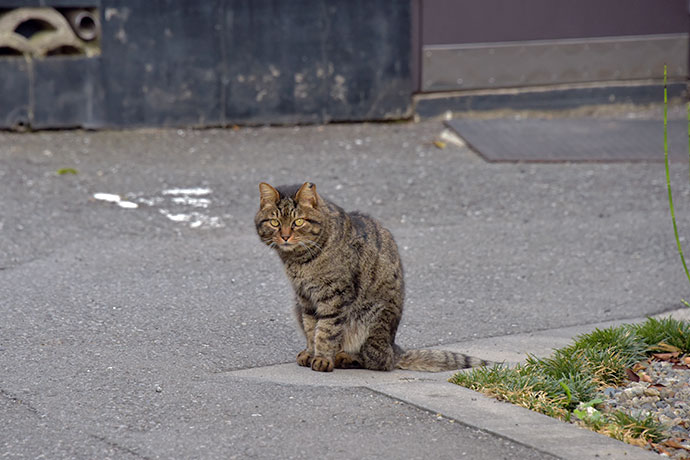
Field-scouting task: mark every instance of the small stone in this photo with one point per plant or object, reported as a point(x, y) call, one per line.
point(684, 394)
point(663, 419)
point(607, 406)
point(677, 430)
point(667, 393)
point(610, 392)
point(670, 413)
point(651, 391)
point(648, 406)
point(637, 389)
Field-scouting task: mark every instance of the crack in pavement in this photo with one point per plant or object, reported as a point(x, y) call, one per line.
point(20, 401)
point(119, 447)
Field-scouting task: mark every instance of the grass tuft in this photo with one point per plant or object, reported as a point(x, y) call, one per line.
point(667, 331)
point(617, 339)
point(516, 386)
point(631, 427)
point(607, 367)
point(636, 430)
point(565, 384)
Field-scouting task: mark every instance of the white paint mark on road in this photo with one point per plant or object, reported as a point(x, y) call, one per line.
point(192, 201)
point(180, 205)
point(151, 201)
point(188, 191)
point(175, 217)
point(111, 198)
point(194, 219)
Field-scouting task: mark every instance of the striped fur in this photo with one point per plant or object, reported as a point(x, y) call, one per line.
point(437, 360)
point(348, 281)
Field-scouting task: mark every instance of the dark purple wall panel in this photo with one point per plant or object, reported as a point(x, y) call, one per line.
point(471, 21)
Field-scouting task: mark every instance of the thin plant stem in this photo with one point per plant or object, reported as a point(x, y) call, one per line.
point(668, 178)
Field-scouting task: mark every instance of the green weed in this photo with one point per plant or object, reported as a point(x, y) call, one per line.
point(668, 179)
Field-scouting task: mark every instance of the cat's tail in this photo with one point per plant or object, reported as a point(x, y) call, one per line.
point(436, 360)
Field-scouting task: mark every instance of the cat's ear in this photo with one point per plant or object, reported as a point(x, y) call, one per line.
point(306, 195)
point(269, 195)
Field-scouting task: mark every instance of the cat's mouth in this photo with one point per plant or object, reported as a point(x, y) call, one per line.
point(286, 245)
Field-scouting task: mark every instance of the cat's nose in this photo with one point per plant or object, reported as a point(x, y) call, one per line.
point(285, 237)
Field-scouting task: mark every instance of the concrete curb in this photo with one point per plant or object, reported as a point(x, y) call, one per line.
point(432, 392)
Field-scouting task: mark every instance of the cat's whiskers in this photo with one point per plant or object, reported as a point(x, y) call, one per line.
point(314, 244)
point(304, 245)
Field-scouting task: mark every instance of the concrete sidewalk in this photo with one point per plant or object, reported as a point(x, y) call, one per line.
point(432, 392)
point(165, 330)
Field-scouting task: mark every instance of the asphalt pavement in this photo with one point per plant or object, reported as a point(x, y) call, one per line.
point(142, 318)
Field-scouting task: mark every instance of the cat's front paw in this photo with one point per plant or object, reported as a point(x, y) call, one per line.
point(322, 364)
point(345, 361)
point(304, 358)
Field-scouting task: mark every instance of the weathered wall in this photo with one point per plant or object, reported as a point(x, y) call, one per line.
point(219, 62)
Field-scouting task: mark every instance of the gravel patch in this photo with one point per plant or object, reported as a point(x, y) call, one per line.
point(663, 391)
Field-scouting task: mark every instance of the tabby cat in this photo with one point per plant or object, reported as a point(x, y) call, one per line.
point(348, 280)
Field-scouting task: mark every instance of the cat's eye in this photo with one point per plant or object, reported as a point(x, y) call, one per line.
point(299, 222)
point(274, 223)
